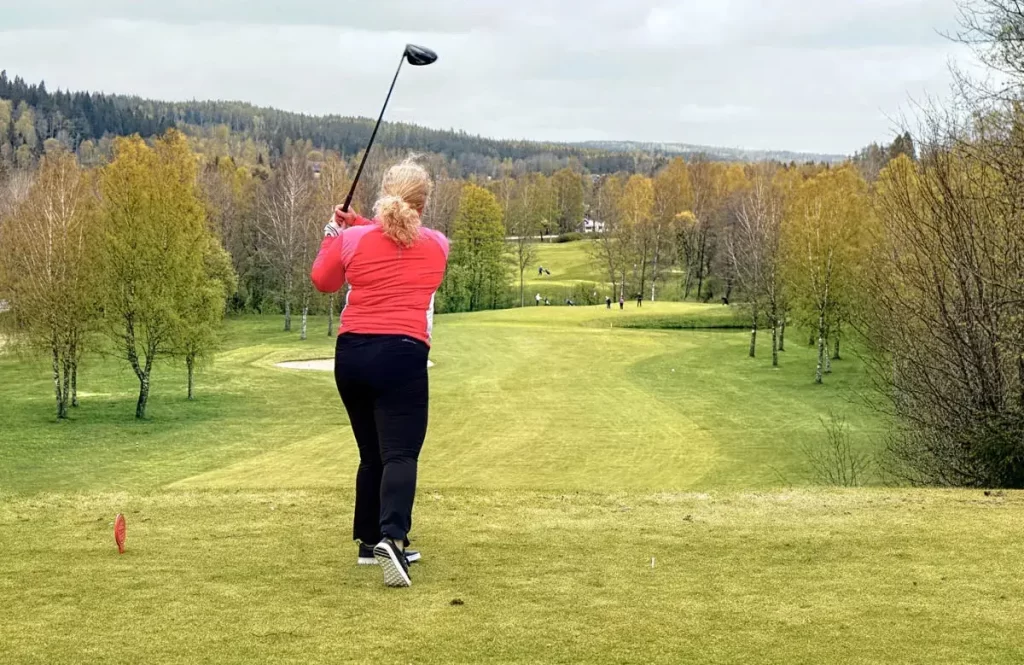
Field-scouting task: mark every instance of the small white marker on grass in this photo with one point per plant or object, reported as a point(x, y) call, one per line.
point(652, 562)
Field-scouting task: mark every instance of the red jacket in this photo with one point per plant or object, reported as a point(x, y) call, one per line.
point(391, 288)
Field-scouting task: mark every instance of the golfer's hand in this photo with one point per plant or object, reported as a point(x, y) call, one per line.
point(332, 229)
point(344, 219)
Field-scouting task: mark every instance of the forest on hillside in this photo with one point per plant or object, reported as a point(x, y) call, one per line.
point(31, 115)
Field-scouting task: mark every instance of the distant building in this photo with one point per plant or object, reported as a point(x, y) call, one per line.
point(592, 226)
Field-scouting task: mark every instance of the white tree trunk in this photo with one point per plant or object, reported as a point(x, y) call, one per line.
point(305, 313)
point(821, 348)
point(330, 318)
point(74, 384)
point(775, 345)
point(753, 333)
point(62, 404)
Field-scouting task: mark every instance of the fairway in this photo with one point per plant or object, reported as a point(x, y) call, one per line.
point(589, 492)
point(568, 262)
point(578, 262)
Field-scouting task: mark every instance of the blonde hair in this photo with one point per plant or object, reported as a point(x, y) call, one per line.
point(403, 196)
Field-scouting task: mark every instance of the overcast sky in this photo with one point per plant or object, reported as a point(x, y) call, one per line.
point(810, 75)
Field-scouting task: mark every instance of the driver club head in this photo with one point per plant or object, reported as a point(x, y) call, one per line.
point(419, 55)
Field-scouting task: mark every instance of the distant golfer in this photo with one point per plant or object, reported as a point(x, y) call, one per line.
point(622, 301)
point(393, 267)
point(608, 302)
point(538, 300)
point(640, 300)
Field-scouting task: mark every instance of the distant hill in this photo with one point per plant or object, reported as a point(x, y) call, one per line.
point(74, 117)
point(714, 152)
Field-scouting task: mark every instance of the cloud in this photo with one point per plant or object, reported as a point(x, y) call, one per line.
point(795, 74)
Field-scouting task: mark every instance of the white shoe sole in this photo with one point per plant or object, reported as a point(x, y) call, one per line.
point(370, 561)
point(394, 573)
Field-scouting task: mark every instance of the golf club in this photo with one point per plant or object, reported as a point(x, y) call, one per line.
point(417, 56)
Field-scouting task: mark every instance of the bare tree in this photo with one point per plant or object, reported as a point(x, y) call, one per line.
point(610, 250)
point(380, 159)
point(994, 29)
point(444, 203)
point(332, 187)
point(834, 460)
point(947, 296)
point(521, 222)
point(702, 178)
point(13, 190)
point(947, 304)
point(286, 213)
point(755, 252)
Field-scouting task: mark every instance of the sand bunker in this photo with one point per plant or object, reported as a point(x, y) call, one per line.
point(318, 365)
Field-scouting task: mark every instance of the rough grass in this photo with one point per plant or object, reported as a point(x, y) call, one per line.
point(566, 456)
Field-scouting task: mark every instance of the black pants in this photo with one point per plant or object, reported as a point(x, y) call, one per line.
point(382, 380)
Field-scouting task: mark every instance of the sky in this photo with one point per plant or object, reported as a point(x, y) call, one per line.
point(806, 75)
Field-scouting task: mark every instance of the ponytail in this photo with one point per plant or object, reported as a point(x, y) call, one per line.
point(404, 191)
point(399, 220)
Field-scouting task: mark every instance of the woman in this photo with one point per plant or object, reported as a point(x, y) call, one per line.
point(393, 267)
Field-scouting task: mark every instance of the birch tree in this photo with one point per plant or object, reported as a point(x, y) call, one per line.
point(47, 273)
point(636, 208)
point(609, 250)
point(332, 186)
point(519, 199)
point(755, 252)
point(154, 232)
point(825, 232)
point(285, 212)
point(673, 195)
point(203, 309)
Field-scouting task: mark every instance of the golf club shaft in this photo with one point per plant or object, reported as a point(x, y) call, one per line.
point(366, 153)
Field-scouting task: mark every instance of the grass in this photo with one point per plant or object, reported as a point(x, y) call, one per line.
point(269, 577)
point(594, 405)
point(553, 431)
point(569, 263)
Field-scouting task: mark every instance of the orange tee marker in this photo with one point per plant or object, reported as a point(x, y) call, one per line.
point(120, 532)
